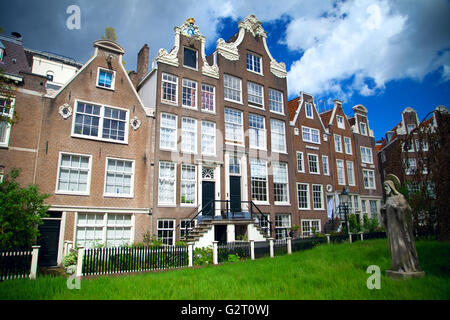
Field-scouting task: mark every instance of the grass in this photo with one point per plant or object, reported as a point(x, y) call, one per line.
point(325, 272)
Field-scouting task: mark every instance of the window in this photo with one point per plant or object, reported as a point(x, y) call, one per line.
point(189, 94)
point(280, 182)
point(190, 58)
point(309, 227)
point(276, 101)
point(186, 224)
point(257, 131)
point(6, 110)
point(188, 135)
point(208, 138)
point(235, 165)
point(340, 122)
point(366, 155)
point(100, 122)
point(2, 51)
point(369, 179)
point(340, 171)
point(234, 130)
point(363, 128)
point(317, 196)
point(166, 231)
point(309, 110)
point(411, 127)
point(93, 229)
point(258, 172)
point(350, 173)
point(105, 79)
point(348, 145)
point(373, 208)
point(410, 165)
point(303, 195)
point(326, 166)
point(188, 184)
point(282, 226)
point(338, 143)
point(208, 98)
point(356, 202)
point(278, 135)
point(166, 183)
point(300, 166)
point(255, 94)
point(169, 88)
point(363, 206)
point(74, 174)
point(421, 146)
point(313, 164)
point(232, 88)
point(254, 63)
point(119, 177)
point(168, 132)
point(310, 135)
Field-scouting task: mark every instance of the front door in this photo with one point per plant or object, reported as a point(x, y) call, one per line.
point(49, 242)
point(235, 194)
point(208, 188)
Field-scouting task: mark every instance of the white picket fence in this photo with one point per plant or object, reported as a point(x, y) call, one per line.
point(10, 267)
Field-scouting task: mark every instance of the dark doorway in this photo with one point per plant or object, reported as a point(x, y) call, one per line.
point(220, 233)
point(49, 241)
point(208, 198)
point(235, 194)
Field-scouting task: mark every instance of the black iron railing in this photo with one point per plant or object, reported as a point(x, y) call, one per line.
point(15, 263)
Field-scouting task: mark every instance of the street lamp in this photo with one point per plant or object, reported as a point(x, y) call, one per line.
point(344, 200)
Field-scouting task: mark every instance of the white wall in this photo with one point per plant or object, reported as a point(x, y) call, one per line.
point(61, 72)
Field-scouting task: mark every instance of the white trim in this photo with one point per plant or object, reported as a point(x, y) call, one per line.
point(114, 195)
point(260, 63)
point(327, 166)
point(307, 196)
point(272, 133)
point(175, 134)
point(195, 125)
point(310, 133)
point(8, 127)
point(322, 201)
point(87, 209)
point(174, 203)
point(345, 146)
point(113, 80)
point(371, 155)
point(174, 103)
point(340, 143)
point(353, 173)
point(303, 161)
point(88, 183)
point(194, 204)
point(343, 172)
point(318, 164)
point(195, 107)
point(288, 202)
point(240, 89)
point(368, 181)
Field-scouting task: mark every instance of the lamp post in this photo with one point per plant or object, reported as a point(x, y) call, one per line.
point(344, 200)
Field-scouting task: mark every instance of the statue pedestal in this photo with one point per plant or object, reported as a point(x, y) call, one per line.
point(404, 275)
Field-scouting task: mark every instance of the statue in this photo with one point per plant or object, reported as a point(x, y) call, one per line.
point(396, 216)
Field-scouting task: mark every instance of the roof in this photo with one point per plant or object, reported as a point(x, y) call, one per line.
point(326, 116)
point(52, 56)
point(292, 108)
point(14, 58)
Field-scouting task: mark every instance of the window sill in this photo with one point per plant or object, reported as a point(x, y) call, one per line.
point(162, 205)
point(233, 101)
point(278, 113)
point(118, 196)
point(170, 103)
point(68, 193)
point(209, 112)
point(75, 135)
point(261, 203)
point(282, 204)
point(256, 107)
point(100, 87)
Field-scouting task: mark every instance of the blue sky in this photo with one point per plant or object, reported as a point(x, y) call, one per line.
point(384, 54)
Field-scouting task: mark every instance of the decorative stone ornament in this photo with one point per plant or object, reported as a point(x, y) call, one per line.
point(135, 123)
point(65, 111)
point(189, 28)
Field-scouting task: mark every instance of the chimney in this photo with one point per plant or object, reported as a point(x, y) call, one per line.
point(337, 102)
point(142, 62)
point(17, 36)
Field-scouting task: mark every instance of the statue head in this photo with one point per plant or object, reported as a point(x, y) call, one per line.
point(391, 185)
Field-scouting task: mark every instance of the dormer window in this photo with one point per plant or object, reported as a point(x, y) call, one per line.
point(363, 128)
point(190, 58)
point(411, 127)
point(309, 110)
point(389, 136)
point(254, 63)
point(105, 79)
point(340, 122)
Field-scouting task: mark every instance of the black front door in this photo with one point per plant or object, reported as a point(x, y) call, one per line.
point(235, 194)
point(220, 233)
point(49, 241)
point(208, 198)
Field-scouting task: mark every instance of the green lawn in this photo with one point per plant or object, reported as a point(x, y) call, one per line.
point(325, 272)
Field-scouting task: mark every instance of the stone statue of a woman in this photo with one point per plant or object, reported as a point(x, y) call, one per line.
point(396, 216)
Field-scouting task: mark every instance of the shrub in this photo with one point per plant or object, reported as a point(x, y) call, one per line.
point(203, 256)
point(233, 257)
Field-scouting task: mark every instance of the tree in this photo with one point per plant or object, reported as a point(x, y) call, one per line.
point(21, 211)
point(110, 34)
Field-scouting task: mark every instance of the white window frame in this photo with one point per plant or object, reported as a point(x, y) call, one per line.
point(252, 131)
point(241, 125)
point(325, 165)
point(348, 145)
point(311, 106)
point(8, 126)
point(194, 181)
point(302, 162)
point(351, 178)
point(173, 203)
point(213, 93)
point(322, 203)
point(338, 143)
point(186, 130)
point(361, 130)
point(340, 122)
point(250, 93)
point(410, 169)
point(310, 133)
point(206, 124)
point(174, 82)
point(175, 132)
point(191, 86)
point(252, 177)
point(340, 182)
point(366, 153)
point(232, 78)
point(113, 80)
point(272, 93)
point(88, 182)
point(116, 195)
point(196, 59)
point(308, 200)
point(173, 221)
point(273, 133)
point(309, 222)
point(317, 163)
point(102, 118)
point(254, 55)
point(410, 127)
point(369, 186)
point(281, 217)
point(280, 164)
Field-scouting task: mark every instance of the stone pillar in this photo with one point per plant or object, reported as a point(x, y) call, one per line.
point(190, 254)
point(328, 238)
point(252, 249)
point(350, 237)
point(215, 253)
point(289, 245)
point(80, 259)
point(34, 262)
point(271, 247)
point(362, 236)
